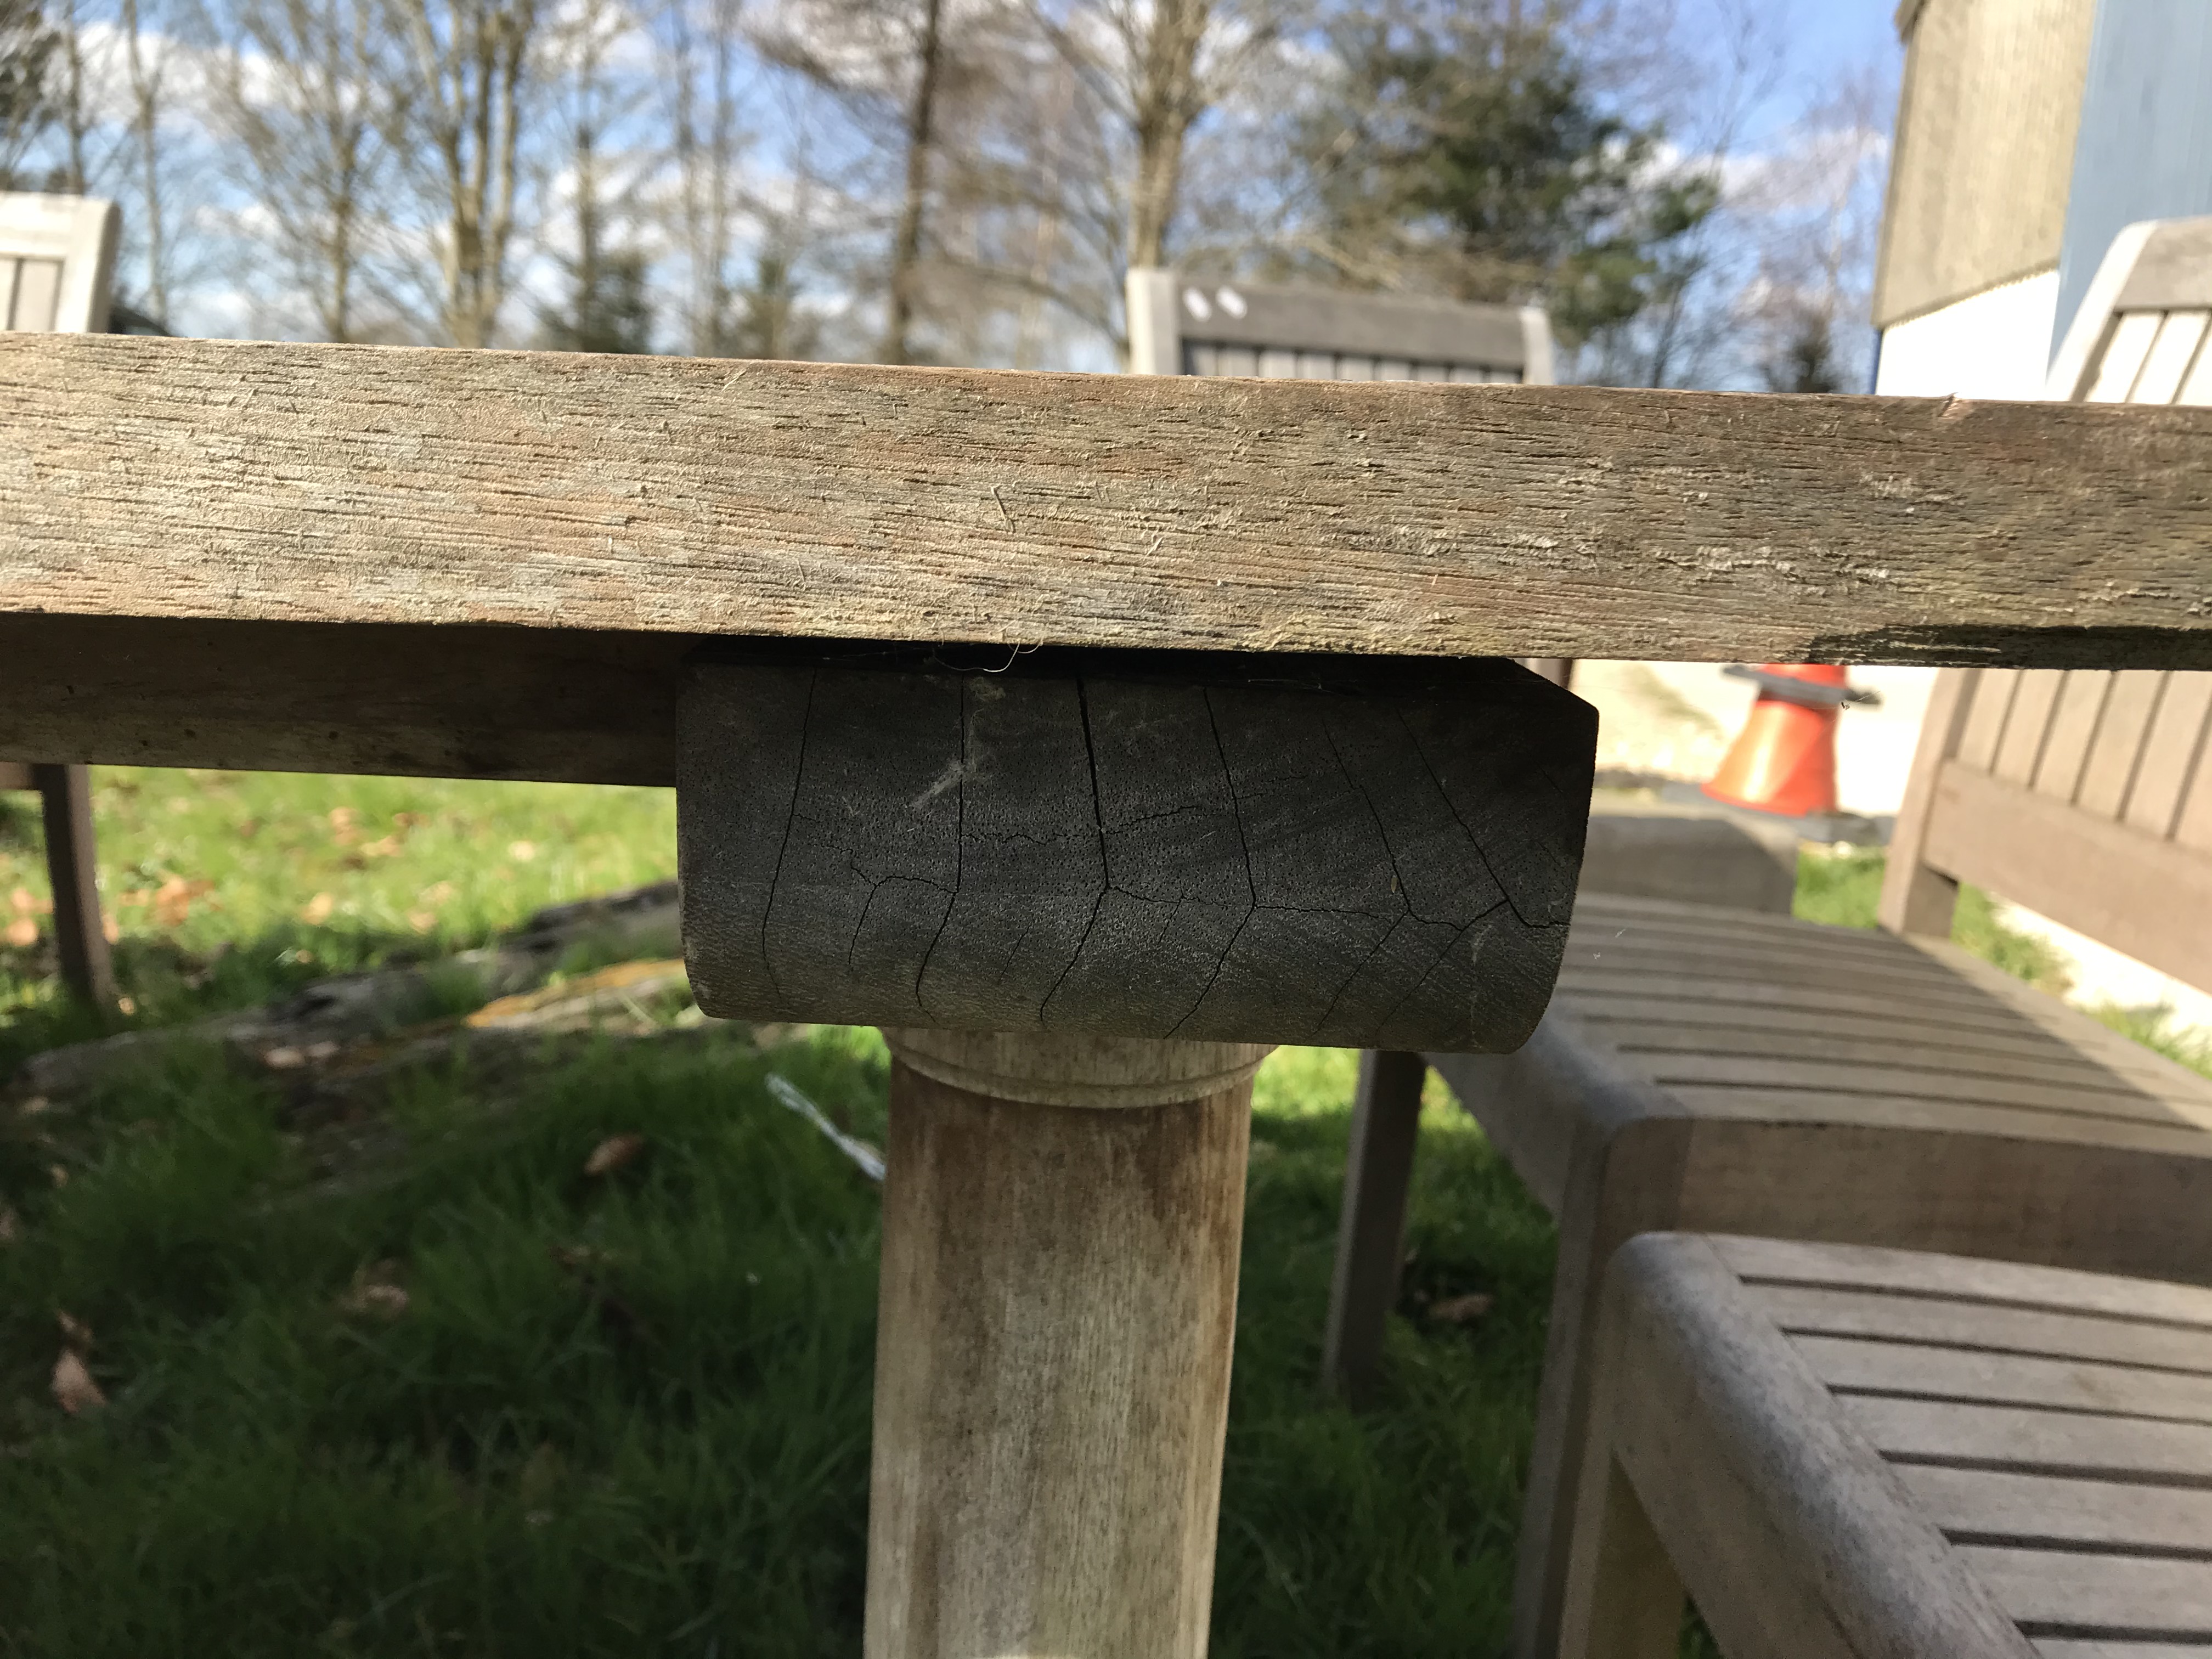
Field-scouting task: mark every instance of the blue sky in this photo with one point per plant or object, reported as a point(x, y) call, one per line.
point(1820, 39)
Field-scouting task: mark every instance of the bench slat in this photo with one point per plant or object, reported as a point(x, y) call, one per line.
point(2084, 1126)
point(1804, 1074)
point(1991, 1506)
point(1807, 1038)
point(1919, 1371)
point(1802, 1311)
point(1910, 1273)
point(2056, 1592)
point(2057, 1442)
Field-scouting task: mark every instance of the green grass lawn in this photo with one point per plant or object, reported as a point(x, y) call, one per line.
point(444, 1391)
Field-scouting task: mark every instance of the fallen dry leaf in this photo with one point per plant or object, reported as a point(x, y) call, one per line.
point(316, 910)
point(1462, 1309)
point(172, 899)
point(522, 851)
point(388, 848)
point(345, 825)
point(75, 1331)
point(289, 1059)
point(74, 1389)
point(113, 928)
point(421, 920)
point(375, 1290)
point(384, 1300)
point(25, 902)
point(23, 933)
point(612, 1153)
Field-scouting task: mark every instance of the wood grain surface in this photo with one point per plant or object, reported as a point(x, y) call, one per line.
point(1187, 845)
point(1059, 1303)
point(210, 479)
point(564, 707)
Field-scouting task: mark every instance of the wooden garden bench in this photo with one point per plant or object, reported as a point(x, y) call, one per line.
point(57, 264)
point(1084, 888)
point(1841, 1450)
point(1713, 1070)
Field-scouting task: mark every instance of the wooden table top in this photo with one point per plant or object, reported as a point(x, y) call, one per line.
point(223, 481)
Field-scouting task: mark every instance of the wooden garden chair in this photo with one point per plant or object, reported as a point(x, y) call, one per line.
point(57, 260)
point(1842, 1450)
point(1717, 1070)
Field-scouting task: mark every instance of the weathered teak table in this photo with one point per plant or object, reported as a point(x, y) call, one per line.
point(1250, 790)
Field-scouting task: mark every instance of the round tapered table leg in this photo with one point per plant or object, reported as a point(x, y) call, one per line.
point(1061, 1221)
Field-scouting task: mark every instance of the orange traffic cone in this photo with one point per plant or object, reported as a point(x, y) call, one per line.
point(1784, 761)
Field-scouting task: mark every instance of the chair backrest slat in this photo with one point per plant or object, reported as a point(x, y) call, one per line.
point(1181, 327)
point(2117, 765)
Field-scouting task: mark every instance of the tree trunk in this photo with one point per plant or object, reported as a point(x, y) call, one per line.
point(1167, 102)
point(906, 250)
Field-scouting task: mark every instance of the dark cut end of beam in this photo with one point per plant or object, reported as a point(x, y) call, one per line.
point(1198, 846)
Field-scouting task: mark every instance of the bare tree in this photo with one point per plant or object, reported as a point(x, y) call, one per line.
point(1149, 71)
point(1813, 212)
point(699, 50)
point(915, 83)
point(467, 68)
point(920, 138)
point(147, 78)
point(29, 46)
point(297, 87)
point(607, 309)
point(66, 101)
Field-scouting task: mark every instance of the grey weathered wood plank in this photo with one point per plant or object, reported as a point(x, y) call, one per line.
point(2073, 727)
point(1598, 986)
point(2111, 768)
point(1805, 1311)
point(2047, 1442)
point(2122, 887)
point(1927, 1370)
point(211, 479)
point(2057, 1592)
point(1676, 1071)
point(2027, 725)
point(1806, 1037)
point(1984, 725)
point(2177, 737)
point(2085, 1125)
point(1910, 1276)
point(1999, 1506)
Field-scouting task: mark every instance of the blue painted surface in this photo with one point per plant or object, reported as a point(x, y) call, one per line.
point(2145, 149)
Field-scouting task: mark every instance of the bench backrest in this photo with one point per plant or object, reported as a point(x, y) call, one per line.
point(1184, 326)
point(2084, 794)
point(57, 260)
